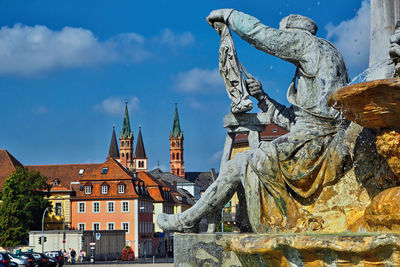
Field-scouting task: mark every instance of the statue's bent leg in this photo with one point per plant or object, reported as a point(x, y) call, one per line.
point(214, 198)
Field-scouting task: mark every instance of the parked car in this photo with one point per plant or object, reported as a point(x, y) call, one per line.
point(58, 256)
point(18, 260)
point(41, 260)
point(33, 262)
point(4, 260)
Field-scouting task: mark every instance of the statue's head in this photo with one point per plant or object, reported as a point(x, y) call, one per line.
point(298, 22)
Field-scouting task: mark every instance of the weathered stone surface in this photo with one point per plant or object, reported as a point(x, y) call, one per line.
point(203, 250)
point(374, 104)
point(368, 249)
point(346, 249)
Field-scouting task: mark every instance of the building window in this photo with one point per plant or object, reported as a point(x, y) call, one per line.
point(81, 207)
point(104, 189)
point(58, 209)
point(127, 156)
point(81, 171)
point(110, 206)
point(177, 143)
point(173, 144)
point(121, 188)
point(110, 226)
point(177, 156)
point(274, 130)
point(125, 227)
point(104, 170)
point(88, 189)
point(96, 226)
point(56, 182)
point(96, 207)
point(81, 226)
point(125, 206)
point(173, 156)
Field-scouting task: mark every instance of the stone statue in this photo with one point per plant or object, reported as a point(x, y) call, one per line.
point(279, 176)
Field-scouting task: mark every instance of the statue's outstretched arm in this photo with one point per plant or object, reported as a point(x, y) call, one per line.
point(294, 46)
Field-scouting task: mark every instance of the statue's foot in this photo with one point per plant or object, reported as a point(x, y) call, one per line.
point(174, 223)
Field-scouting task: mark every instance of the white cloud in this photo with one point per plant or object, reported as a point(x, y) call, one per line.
point(170, 38)
point(26, 50)
point(216, 157)
point(352, 37)
point(116, 105)
point(200, 80)
point(41, 110)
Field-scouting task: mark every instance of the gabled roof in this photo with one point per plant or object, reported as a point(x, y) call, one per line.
point(176, 127)
point(202, 179)
point(158, 189)
point(111, 169)
point(65, 173)
point(8, 164)
point(126, 126)
point(113, 152)
point(140, 152)
point(169, 177)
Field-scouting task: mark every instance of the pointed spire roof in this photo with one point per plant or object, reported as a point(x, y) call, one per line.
point(140, 151)
point(113, 151)
point(176, 127)
point(126, 126)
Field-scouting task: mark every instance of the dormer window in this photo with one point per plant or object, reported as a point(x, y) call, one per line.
point(81, 171)
point(121, 188)
point(274, 130)
point(56, 182)
point(104, 189)
point(88, 189)
point(104, 170)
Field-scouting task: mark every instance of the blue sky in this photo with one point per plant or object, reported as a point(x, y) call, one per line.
point(67, 67)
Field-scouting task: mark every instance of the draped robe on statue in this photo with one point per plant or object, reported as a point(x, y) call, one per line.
point(295, 167)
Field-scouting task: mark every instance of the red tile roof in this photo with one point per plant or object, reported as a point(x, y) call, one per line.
point(8, 164)
point(64, 173)
point(271, 132)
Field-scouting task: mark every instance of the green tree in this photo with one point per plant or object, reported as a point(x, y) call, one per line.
point(22, 206)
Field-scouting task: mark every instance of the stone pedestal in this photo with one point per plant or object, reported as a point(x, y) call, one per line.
point(344, 249)
point(204, 250)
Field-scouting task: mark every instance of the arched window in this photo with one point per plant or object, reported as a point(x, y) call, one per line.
point(177, 155)
point(173, 156)
point(123, 155)
point(177, 171)
point(173, 144)
point(177, 143)
point(127, 155)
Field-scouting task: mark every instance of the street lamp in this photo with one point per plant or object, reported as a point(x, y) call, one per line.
point(42, 239)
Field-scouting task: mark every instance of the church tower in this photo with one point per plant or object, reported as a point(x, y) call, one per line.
point(113, 152)
point(177, 165)
point(140, 154)
point(126, 142)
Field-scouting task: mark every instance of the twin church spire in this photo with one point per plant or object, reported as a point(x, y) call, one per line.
point(138, 160)
point(130, 160)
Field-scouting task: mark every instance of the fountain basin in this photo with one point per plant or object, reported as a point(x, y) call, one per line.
point(374, 104)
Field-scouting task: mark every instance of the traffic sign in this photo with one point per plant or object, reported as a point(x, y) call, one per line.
point(98, 235)
point(92, 243)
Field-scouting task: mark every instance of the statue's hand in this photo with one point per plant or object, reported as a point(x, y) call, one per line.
point(255, 88)
point(219, 15)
